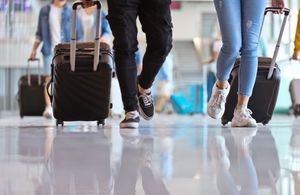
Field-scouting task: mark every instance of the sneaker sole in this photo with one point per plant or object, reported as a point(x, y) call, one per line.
point(129, 125)
point(218, 116)
point(143, 114)
point(233, 124)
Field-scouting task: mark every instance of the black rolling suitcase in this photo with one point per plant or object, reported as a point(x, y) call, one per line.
point(31, 94)
point(265, 91)
point(81, 78)
point(295, 96)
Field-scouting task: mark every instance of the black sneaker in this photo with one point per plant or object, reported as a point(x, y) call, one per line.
point(131, 120)
point(146, 107)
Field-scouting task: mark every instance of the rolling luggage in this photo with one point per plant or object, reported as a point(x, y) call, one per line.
point(265, 91)
point(81, 78)
point(295, 96)
point(31, 95)
point(181, 105)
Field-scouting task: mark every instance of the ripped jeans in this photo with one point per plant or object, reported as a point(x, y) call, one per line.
point(240, 22)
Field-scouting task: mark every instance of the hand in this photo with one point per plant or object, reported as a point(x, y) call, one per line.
point(278, 3)
point(33, 54)
point(87, 3)
point(295, 56)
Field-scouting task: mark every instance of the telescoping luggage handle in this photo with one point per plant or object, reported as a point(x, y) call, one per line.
point(286, 12)
point(29, 73)
point(97, 37)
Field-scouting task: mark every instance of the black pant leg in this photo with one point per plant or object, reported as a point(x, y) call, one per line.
point(155, 17)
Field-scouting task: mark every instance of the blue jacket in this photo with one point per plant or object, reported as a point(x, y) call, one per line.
point(43, 28)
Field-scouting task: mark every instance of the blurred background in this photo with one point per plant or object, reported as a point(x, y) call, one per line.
point(195, 33)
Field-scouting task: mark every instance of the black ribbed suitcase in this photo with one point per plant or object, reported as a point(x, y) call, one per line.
point(81, 78)
point(265, 91)
point(31, 94)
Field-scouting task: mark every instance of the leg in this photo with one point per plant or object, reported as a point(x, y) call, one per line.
point(252, 14)
point(229, 15)
point(156, 22)
point(47, 71)
point(122, 16)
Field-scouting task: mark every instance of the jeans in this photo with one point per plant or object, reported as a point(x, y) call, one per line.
point(155, 19)
point(240, 22)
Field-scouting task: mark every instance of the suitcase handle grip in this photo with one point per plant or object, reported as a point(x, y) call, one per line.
point(286, 12)
point(28, 70)
point(73, 35)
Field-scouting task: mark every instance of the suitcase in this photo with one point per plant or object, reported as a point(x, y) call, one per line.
point(81, 78)
point(31, 94)
point(295, 96)
point(198, 98)
point(181, 105)
point(265, 91)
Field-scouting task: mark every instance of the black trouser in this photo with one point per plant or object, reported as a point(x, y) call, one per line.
point(155, 19)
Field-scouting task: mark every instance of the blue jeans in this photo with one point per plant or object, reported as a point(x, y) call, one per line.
point(240, 22)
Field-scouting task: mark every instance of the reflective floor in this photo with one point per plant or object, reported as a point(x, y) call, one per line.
point(171, 155)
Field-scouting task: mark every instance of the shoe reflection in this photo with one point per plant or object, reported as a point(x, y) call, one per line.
point(244, 160)
point(137, 160)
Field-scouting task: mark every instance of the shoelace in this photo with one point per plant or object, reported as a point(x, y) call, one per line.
point(130, 115)
point(220, 98)
point(246, 113)
point(147, 100)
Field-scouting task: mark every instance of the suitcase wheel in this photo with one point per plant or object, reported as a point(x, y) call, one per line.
point(59, 122)
point(101, 122)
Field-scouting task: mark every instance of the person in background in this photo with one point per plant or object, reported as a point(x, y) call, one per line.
point(297, 40)
point(54, 27)
point(165, 86)
point(88, 23)
point(240, 22)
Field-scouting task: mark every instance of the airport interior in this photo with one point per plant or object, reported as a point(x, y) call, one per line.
point(181, 150)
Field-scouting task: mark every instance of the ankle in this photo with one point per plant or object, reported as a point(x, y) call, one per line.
point(241, 106)
point(222, 84)
point(142, 90)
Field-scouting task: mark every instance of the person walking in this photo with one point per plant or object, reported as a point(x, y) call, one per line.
point(240, 23)
point(54, 27)
point(155, 18)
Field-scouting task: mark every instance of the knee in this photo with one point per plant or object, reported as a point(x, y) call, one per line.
point(249, 50)
point(161, 47)
point(231, 49)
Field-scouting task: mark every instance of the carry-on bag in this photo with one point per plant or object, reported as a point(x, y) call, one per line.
point(31, 94)
point(181, 105)
point(295, 96)
point(265, 91)
point(81, 78)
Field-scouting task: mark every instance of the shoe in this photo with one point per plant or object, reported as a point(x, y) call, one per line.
point(219, 153)
point(131, 120)
point(48, 113)
point(242, 117)
point(216, 104)
point(146, 107)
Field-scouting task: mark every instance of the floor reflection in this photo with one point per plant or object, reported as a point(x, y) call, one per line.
point(154, 160)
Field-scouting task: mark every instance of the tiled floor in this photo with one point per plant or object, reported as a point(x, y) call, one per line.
point(176, 155)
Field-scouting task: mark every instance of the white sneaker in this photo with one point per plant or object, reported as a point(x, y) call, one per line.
point(216, 104)
point(242, 117)
point(48, 113)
